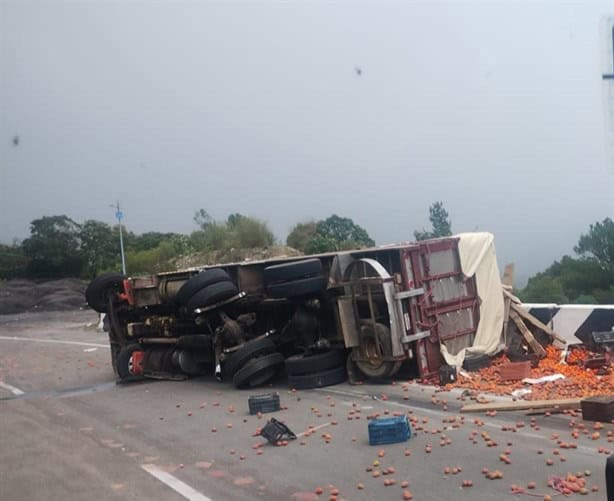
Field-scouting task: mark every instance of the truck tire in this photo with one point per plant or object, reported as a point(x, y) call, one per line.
point(198, 282)
point(115, 349)
point(212, 294)
point(250, 349)
point(298, 365)
point(124, 361)
point(318, 379)
point(301, 287)
point(373, 343)
point(258, 370)
point(291, 271)
point(97, 292)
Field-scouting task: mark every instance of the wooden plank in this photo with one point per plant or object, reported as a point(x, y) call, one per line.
point(508, 275)
point(508, 282)
point(535, 346)
point(537, 323)
point(521, 405)
point(508, 294)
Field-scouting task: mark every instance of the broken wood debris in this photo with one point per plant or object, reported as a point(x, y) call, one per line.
point(535, 322)
point(526, 333)
point(563, 403)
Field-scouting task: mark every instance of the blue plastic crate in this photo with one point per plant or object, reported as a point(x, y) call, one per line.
point(389, 430)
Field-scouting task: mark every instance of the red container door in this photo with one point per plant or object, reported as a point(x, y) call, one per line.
point(449, 308)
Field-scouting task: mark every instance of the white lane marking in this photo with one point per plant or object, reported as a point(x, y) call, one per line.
point(57, 341)
point(88, 350)
point(11, 388)
point(174, 483)
point(311, 430)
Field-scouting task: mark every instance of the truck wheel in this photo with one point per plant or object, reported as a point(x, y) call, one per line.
point(198, 282)
point(318, 379)
point(294, 288)
point(212, 294)
point(258, 370)
point(250, 349)
point(298, 365)
point(375, 343)
point(97, 292)
point(291, 271)
point(115, 349)
point(125, 366)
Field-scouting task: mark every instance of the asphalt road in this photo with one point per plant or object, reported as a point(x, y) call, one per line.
point(68, 432)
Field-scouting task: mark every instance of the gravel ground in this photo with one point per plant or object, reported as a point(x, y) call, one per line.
point(17, 296)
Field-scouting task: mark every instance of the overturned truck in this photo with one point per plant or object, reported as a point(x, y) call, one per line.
point(365, 313)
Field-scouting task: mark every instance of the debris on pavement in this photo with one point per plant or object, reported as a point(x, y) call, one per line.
point(565, 403)
point(578, 381)
point(277, 432)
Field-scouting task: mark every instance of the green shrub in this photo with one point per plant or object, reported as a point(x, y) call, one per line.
point(249, 232)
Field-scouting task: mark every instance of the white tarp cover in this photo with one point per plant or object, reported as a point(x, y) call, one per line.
point(477, 257)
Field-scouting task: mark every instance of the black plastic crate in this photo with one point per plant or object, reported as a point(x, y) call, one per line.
point(389, 430)
point(447, 375)
point(606, 337)
point(598, 408)
point(476, 362)
point(263, 403)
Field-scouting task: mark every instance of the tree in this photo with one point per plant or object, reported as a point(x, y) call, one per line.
point(300, 236)
point(442, 226)
point(202, 219)
point(158, 259)
point(579, 277)
point(13, 262)
point(99, 248)
point(598, 244)
point(248, 232)
point(543, 289)
point(233, 220)
point(53, 247)
point(587, 279)
point(149, 240)
point(338, 233)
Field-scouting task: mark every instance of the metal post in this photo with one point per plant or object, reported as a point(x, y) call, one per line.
point(119, 215)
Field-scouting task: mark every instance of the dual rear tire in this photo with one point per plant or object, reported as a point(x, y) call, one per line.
point(316, 370)
point(294, 279)
point(207, 288)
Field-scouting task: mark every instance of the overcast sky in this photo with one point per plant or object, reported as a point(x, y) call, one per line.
point(493, 107)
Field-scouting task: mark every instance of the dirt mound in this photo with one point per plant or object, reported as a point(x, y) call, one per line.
point(235, 256)
point(17, 296)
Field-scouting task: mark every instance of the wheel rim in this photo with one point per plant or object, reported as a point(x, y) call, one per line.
point(371, 350)
point(135, 367)
point(370, 359)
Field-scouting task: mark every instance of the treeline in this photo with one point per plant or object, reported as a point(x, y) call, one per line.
point(587, 278)
point(60, 247)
